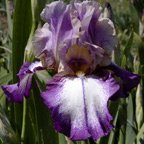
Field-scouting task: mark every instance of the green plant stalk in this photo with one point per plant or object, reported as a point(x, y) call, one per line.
point(23, 121)
point(35, 112)
point(140, 133)
point(22, 19)
point(21, 29)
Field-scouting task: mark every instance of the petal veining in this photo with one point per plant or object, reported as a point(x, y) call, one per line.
point(79, 105)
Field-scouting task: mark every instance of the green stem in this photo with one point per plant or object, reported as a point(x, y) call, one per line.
point(36, 119)
point(23, 121)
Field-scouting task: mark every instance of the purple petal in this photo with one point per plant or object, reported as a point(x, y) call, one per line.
point(79, 105)
point(24, 85)
point(44, 47)
point(77, 23)
point(16, 92)
point(88, 11)
point(34, 66)
point(104, 36)
point(42, 39)
point(128, 80)
point(58, 15)
point(28, 68)
point(11, 92)
point(23, 70)
point(49, 40)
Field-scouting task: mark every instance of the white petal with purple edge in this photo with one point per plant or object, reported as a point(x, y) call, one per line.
point(79, 105)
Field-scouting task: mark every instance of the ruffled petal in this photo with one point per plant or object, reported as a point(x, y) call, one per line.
point(88, 12)
point(127, 80)
point(105, 37)
point(53, 12)
point(42, 39)
point(51, 38)
point(44, 46)
point(58, 15)
point(104, 34)
point(77, 23)
point(16, 92)
point(79, 105)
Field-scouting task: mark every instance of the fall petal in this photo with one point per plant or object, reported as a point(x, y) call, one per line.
point(128, 80)
point(79, 105)
point(16, 92)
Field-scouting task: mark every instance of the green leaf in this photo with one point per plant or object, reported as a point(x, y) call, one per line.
point(7, 135)
point(117, 55)
point(121, 139)
point(129, 44)
point(8, 7)
point(62, 139)
point(22, 23)
point(41, 78)
point(46, 131)
point(139, 106)
point(140, 133)
point(126, 55)
point(21, 30)
point(112, 134)
point(130, 127)
point(5, 78)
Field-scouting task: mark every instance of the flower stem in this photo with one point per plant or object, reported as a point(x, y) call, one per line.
point(23, 122)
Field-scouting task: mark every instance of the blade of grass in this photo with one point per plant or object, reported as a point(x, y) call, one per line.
point(112, 134)
point(21, 30)
point(46, 129)
point(22, 20)
point(130, 129)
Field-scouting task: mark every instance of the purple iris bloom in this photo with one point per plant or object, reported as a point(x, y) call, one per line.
point(77, 42)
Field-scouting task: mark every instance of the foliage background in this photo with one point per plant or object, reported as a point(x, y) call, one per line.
point(30, 122)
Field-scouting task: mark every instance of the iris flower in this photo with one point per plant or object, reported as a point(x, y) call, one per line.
point(77, 42)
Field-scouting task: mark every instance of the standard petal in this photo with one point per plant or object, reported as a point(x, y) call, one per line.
point(53, 12)
point(103, 35)
point(88, 12)
point(42, 39)
point(50, 39)
point(58, 15)
point(79, 105)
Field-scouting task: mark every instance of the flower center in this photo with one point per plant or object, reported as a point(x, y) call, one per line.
point(79, 59)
